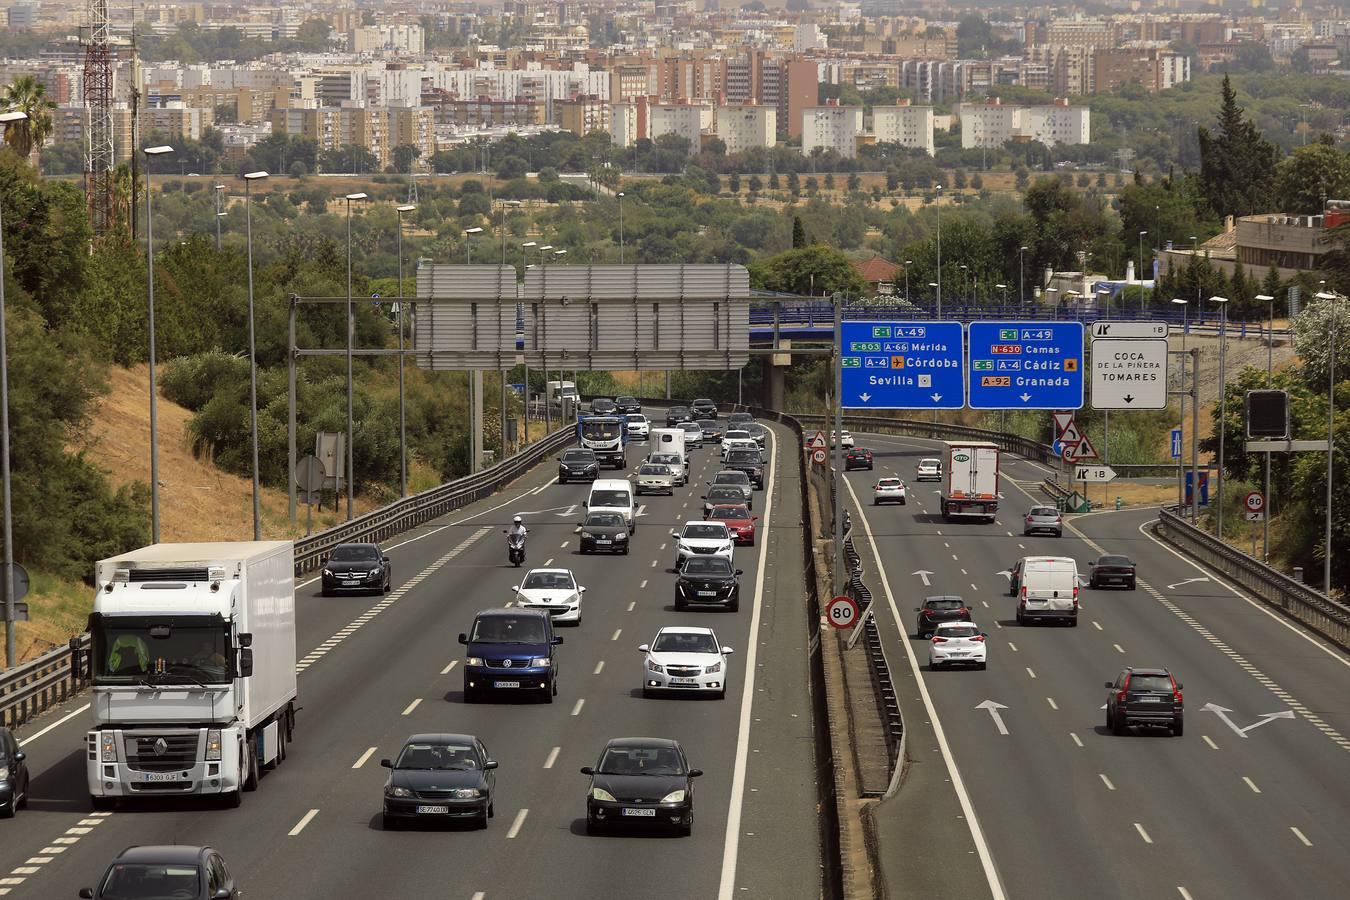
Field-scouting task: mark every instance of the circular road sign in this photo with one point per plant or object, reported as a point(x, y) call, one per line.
point(818, 456)
point(842, 612)
point(1255, 501)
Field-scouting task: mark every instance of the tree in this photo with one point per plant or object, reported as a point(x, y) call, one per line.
point(755, 184)
point(1021, 178)
point(794, 184)
point(773, 181)
point(404, 156)
point(798, 233)
point(977, 182)
point(802, 270)
point(28, 95)
point(1237, 163)
point(1305, 180)
point(892, 179)
point(959, 179)
point(829, 181)
point(1270, 285)
point(854, 182)
point(734, 182)
point(512, 167)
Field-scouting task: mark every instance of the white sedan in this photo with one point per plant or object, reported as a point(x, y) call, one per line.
point(638, 426)
point(846, 439)
point(703, 539)
point(956, 644)
point(929, 470)
point(685, 659)
point(553, 590)
point(889, 490)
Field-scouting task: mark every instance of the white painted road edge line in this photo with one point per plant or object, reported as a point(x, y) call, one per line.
point(361, 761)
point(300, 826)
point(519, 821)
point(552, 757)
point(59, 722)
point(958, 783)
point(726, 889)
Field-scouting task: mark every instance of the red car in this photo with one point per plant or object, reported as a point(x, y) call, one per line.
point(738, 521)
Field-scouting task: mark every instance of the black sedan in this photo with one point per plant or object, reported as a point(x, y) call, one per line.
point(13, 775)
point(178, 871)
point(711, 430)
point(641, 781)
point(440, 777)
point(939, 609)
point(601, 406)
point(627, 405)
point(356, 569)
point(704, 408)
point(604, 531)
point(708, 580)
point(578, 465)
point(677, 414)
point(1112, 569)
point(858, 458)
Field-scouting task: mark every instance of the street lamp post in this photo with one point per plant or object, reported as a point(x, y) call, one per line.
point(468, 241)
point(252, 352)
point(1141, 270)
point(908, 263)
point(543, 260)
point(11, 656)
point(1004, 289)
point(1181, 491)
point(1270, 359)
point(525, 257)
point(1054, 301)
point(1331, 299)
point(1022, 277)
point(1223, 402)
point(620, 227)
point(402, 410)
point(351, 336)
point(150, 288)
point(965, 275)
point(938, 285)
point(220, 213)
point(559, 253)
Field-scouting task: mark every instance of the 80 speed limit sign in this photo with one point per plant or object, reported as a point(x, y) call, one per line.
point(842, 612)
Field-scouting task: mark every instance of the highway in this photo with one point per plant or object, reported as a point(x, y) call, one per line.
point(375, 670)
point(1246, 805)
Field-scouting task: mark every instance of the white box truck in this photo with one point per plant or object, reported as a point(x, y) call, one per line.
point(562, 390)
point(970, 479)
point(194, 669)
point(668, 440)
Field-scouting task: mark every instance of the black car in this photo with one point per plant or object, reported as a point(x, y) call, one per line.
point(627, 405)
point(757, 431)
point(440, 777)
point(641, 781)
point(858, 458)
point(723, 495)
point(604, 531)
point(939, 609)
point(578, 465)
point(356, 569)
point(13, 775)
point(602, 407)
point(747, 461)
point(740, 420)
point(1112, 570)
point(178, 871)
point(677, 414)
point(711, 430)
point(708, 580)
point(704, 408)
point(1144, 697)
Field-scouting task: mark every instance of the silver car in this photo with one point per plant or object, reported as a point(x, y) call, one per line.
point(679, 468)
point(654, 478)
point(929, 470)
point(1043, 518)
point(737, 478)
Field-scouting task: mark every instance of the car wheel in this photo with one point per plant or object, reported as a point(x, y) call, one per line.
point(722, 694)
point(1118, 727)
point(1177, 728)
point(981, 666)
point(592, 828)
point(324, 592)
point(876, 502)
point(646, 692)
point(1073, 623)
point(1110, 721)
point(735, 605)
point(625, 551)
point(470, 695)
point(1059, 534)
point(481, 822)
point(686, 828)
point(492, 810)
point(550, 692)
point(679, 605)
point(1132, 585)
point(1092, 584)
point(389, 822)
point(902, 501)
point(1020, 619)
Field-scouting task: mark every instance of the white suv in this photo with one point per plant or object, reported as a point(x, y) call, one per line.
point(702, 539)
point(685, 659)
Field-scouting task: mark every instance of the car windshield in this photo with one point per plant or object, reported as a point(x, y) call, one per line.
point(600, 429)
point(578, 456)
point(962, 631)
point(610, 498)
point(726, 492)
point(626, 401)
point(929, 462)
point(707, 565)
point(697, 531)
point(743, 456)
point(705, 424)
point(889, 483)
point(669, 459)
point(548, 581)
point(944, 603)
point(1150, 683)
point(149, 881)
point(604, 520)
point(1114, 561)
point(161, 650)
point(730, 512)
point(678, 411)
point(685, 642)
point(662, 470)
point(509, 630)
point(637, 419)
point(690, 427)
point(731, 478)
point(457, 757)
point(355, 553)
point(1043, 511)
point(737, 435)
point(641, 761)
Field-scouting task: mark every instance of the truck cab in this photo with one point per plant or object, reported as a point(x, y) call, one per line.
point(606, 437)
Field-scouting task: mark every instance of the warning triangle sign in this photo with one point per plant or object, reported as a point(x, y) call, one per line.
point(818, 440)
point(1082, 450)
point(1070, 436)
point(1063, 422)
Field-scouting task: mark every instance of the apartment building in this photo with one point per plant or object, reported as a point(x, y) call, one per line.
point(908, 126)
point(377, 128)
point(992, 124)
point(582, 115)
point(629, 122)
point(176, 120)
point(686, 120)
point(402, 39)
point(987, 125)
point(746, 126)
point(832, 127)
point(1153, 68)
point(484, 112)
point(70, 123)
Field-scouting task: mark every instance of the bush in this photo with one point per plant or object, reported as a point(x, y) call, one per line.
point(191, 381)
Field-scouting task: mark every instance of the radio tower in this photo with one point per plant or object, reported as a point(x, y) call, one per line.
point(98, 101)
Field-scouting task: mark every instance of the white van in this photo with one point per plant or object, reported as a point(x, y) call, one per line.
point(1046, 587)
point(668, 440)
point(613, 495)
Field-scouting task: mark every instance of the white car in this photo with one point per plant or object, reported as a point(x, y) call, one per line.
point(655, 478)
point(889, 490)
point(846, 439)
point(638, 426)
point(685, 659)
point(956, 643)
point(740, 444)
point(929, 470)
point(553, 590)
point(702, 538)
point(678, 467)
point(733, 434)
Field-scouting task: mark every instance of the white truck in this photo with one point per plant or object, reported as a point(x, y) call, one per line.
point(970, 479)
point(560, 390)
point(194, 669)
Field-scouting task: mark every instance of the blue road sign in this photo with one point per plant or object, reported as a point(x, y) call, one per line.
point(1176, 443)
point(1204, 488)
point(902, 365)
point(1026, 365)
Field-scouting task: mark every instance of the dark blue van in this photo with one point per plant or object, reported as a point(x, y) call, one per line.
point(511, 650)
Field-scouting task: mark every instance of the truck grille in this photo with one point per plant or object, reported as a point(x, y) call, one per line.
point(162, 752)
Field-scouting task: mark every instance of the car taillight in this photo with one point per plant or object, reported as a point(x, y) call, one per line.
point(928, 613)
point(1023, 601)
point(1176, 691)
point(1120, 695)
point(939, 640)
point(978, 637)
point(963, 611)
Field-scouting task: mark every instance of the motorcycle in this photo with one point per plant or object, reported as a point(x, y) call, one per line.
point(515, 548)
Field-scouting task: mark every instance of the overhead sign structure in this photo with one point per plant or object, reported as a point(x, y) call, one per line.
point(1025, 365)
point(841, 612)
point(901, 365)
point(1094, 473)
point(1129, 373)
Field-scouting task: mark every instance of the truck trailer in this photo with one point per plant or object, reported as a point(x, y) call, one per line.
point(970, 479)
point(194, 670)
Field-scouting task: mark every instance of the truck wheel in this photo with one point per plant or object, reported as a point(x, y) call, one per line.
point(233, 800)
point(251, 772)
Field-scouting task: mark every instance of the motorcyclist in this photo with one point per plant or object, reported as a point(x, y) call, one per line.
point(515, 540)
point(518, 529)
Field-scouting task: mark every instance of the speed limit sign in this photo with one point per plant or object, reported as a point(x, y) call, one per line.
point(842, 612)
point(1255, 502)
point(818, 456)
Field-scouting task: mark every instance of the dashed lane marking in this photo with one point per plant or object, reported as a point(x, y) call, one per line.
point(517, 823)
point(411, 706)
point(1251, 784)
point(576, 710)
point(1298, 834)
point(1142, 833)
point(552, 757)
point(19, 874)
point(1106, 781)
point(305, 820)
point(1051, 701)
point(1076, 739)
point(451, 665)
point(599, 667)
point(1208, 740)
point(364, 758)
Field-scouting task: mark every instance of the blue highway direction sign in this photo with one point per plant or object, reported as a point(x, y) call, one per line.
point(1026, 365)
point(902, 365)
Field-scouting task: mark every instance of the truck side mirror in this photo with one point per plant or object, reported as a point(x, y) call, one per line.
point(245, 663)
point(246, 640)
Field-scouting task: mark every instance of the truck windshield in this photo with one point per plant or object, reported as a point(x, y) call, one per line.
point(158, 651)
point(602, 430)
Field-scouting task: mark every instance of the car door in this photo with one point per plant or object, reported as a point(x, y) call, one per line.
point(489, 776)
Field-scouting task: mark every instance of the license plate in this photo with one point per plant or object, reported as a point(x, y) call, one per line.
point(684, 681)
point(707, 593)
point(159, 776)
point(605, 543)
point(642, 813)
point(1149, 699)
point(506, 684)
point(351, 583)
point(433, 810)
point(957, 653)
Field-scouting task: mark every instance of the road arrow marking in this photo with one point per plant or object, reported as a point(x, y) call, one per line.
point(1172, 587)
point(1222, 713)
point(567, 512)
point(924, 573)
point(1006, 573)
point(641, 511)
point(864, 397)
point(994, 707)
point(1025, 397)
point(551, 509)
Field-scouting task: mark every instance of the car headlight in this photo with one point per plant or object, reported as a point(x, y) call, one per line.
point(213, 745)
point(588, 535)
point(540, 661)
point(727, 546)
point(393, 791)
point(474, 661)
point(656, 667)
point(673, 797)
point(328, 572)
point(713, 669)
point(683, 547)
point(621, 536)
point(601, 794)
point(108, 743)
point(467, 793)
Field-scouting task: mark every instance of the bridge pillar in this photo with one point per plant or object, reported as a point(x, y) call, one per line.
point(774, 387)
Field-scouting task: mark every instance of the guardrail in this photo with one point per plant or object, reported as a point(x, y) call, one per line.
point(883, 685)
point(1293, 598)
point(934, 431)
point(37, 685)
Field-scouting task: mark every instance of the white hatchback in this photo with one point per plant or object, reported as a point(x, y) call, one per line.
point(637, 425)
point(929, 470)
point(555, 591)
point(957, 644)
point(685, 659)
point(889, 490)
point(703, 539)
point(845, 439)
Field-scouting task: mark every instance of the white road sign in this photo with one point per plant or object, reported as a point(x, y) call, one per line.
point(1129, 373)
point(1093, 473)
point(818, 440)
point(1079, 451)
point(1129, 330)
point(1255, 501)
point(841, 611)
point(1070, 436)
point(1062, 422)
point(1255, 516)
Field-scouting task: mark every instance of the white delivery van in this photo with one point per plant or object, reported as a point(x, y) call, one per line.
point(613, 495)
point(668, 440)
point(1047, 588)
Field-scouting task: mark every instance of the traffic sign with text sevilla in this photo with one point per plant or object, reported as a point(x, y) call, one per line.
point(1025, 365)
point(901, 365)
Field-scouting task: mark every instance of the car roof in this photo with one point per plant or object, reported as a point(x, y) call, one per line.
point(642, 742)
point(700, 522)
point(886, 478)
point(554, 571)
point(1140, 670)
point(175, 854)
point(438, 737)
point(366, 544)
point(943, 597)
point(942, 625)
point(684, 629)
point(511, 611)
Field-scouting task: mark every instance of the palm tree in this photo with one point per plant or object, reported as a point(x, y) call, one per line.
point(28, 95)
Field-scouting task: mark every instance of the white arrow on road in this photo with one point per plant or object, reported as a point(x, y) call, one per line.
point(924, 573)
point(1222, 713)
point(993, 707)
point(1006, 573)
point(1025, 397)
point(1172, 587)
point(864, 397)
point(551, 509)
point(641, 511)
point(937, 398)
point(569, 511)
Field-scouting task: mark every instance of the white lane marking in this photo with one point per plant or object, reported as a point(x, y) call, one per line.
point(552, 757)
point(1106, 781)
point(411, 706)
point(663, 546)
point(1142, 833)
point(1251, 784)
point(479, 895)
point(549, 561)
point(1298, 834)
point(617, 632)
point(1030, 672)
point(599, 667)
point(631, 604)
point(1207, 740)
point(563, 545)
point(1185, 894)
point(576, 710)
point(305, 820)
point(57, 724)
point(1119, 648)
point(731, 842)
point(364, 758)
point(1097, 625)
point(451, 665)
point(643, 586)
point(1012, 646)
point(1077, 740)
point(958, 783)
point(1051, 701)
point(653, 564)
point(519, 821)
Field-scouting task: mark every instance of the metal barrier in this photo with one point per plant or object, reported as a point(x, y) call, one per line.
point(1297, 600)
point(37, 685)
point(883, 685)
point(935, 431)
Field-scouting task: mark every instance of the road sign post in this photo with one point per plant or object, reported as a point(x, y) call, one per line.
point(902, 365)
point(1025, 365)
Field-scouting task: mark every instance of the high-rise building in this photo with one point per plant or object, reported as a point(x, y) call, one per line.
point(908, 126)
point(582, 115)
point(686, 120)
point(832, 127)
point(747, 126)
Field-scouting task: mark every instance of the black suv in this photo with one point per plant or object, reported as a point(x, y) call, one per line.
point(14, 784)
point(192, 873)
point(1144, 697)
point(746, 461)
point(1112, 570)
point(627, 405)
point(578, 465)
point(710, 580)
point(677, 414)
point(704, 408)
point(939, 609)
